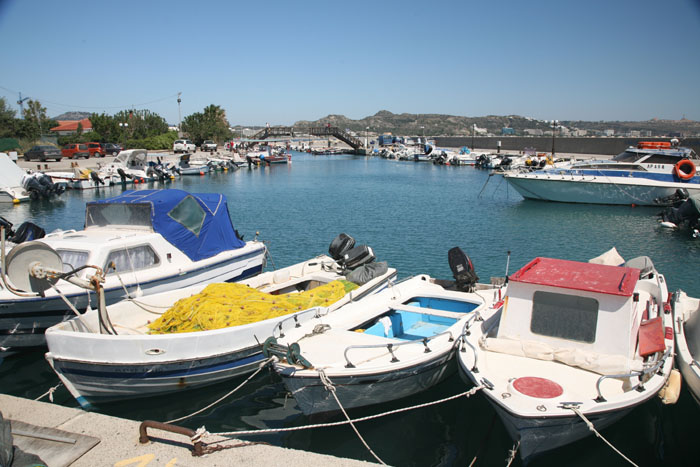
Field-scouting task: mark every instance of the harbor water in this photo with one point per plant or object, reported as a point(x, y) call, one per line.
point(411, 214)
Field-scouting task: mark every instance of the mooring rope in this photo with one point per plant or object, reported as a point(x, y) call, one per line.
point(49, 393)
point(512, 453)
point(260, 367)
point(331, 388)
point(592, 428)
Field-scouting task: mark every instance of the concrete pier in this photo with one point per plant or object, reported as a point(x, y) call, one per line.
point(118, 442)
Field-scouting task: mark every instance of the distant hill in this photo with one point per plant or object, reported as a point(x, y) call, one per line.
point(73, 116)
point(451, 125)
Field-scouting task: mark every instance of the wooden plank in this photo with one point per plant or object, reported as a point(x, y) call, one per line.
point(57, 448)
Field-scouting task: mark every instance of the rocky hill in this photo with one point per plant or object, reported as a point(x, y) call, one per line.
point(73, 116)
point(451, 125)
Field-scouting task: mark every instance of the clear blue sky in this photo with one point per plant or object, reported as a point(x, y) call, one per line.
point(283, 61)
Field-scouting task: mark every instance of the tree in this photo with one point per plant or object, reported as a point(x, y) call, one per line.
point(7, 119)
point(35, 120)
point(106, 126)
point(209, 124)
point(141, 123)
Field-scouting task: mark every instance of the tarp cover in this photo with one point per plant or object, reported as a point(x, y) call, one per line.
point(215, 233)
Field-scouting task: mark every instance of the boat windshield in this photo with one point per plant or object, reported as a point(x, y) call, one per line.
point(628, 156)
point(101, 215)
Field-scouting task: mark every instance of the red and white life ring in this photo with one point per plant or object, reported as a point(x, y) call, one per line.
point(685, 169)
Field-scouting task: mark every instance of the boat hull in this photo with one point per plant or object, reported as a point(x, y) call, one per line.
point(23, 321)
point(595, 190)
point(354, 391)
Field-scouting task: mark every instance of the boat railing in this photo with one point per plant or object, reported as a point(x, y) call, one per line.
point(640, 387)
point(466, 331)
point(318, 311)
point(392, 345)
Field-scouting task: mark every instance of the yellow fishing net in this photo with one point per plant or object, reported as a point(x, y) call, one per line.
point(229, 304)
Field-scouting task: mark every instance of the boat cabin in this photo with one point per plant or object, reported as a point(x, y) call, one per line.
point(584, 309)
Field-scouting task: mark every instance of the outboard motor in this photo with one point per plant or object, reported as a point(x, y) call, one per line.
point(462, 270)
point(96, 178)
point(123, 175)
point(688, 212)
point(680, 195)
point(340, 245)
point(28, 231)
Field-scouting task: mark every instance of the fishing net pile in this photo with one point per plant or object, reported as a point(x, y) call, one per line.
point(229, 304)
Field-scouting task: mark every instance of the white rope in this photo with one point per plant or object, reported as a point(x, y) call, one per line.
point(260, 367)
point(512, 452)
point(329, 386)
point(49, 393)
point(469, 393)
point(592, 428)
point(72, 308)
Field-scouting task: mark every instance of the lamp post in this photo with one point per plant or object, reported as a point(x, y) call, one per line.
point(179, 116)
point(124, 127)
point(473, 131)
point(423, 131)
point(554, 132)
point(366, 137)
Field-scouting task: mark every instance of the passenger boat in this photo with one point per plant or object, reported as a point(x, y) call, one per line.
point(391, 345)
point(644, 175)
point(132, 361)
point(686, 326)
point(146, 241)
point(572, 340)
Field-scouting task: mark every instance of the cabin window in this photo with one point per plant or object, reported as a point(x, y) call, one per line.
point(73, 259)
point(131, 259)
point(627, 156)
point(189, 214)
point(101, 215)
point(564, 316)
point(661, 159)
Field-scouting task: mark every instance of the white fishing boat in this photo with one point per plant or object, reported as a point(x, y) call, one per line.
point(686, 326)
point(115, 354)
point(644, 175)
point(572, 340)
point(133, 166)
point(146, 241)
point(391, 345)
point(79, 179)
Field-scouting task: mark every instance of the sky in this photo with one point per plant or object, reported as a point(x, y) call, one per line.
point(279, 62)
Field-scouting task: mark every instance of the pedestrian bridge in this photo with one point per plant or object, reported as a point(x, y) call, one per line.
point(278, 131)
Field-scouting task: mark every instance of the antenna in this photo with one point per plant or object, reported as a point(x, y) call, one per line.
point(21, 105)
point(507, 264)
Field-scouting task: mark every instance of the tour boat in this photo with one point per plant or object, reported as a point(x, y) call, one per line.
point(115, 354)
point(391, 345)
point(644, 175)
point(572, 340)
point(146, 241)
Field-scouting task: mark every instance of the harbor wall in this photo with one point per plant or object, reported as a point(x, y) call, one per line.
point(610, 146)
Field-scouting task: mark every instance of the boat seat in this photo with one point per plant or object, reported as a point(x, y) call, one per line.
point(429, 311)
point(651, 337)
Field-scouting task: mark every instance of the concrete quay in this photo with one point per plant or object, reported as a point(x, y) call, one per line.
point(118, 442)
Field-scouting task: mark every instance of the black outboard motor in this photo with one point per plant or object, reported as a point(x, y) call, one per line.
point(96, 178)
point(462, 270)
point(28, 231)
point(340, 245)
point(687, 212)
point(680, 195)
point(123, 175)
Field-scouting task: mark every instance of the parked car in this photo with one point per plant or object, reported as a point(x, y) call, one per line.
point(95, 149)
point(75, 150)
point(111, 149)
point(183, 145)
point(208, 145)
point(43, 152)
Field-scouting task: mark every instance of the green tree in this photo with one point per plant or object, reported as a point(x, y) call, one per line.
point(141, 123)
point(209, 124)
point(106, 126)
point(7, 119)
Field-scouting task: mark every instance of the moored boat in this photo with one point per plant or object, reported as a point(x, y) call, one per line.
point(146, 241)
point(686, 326)
point(645, 175)
point(573, 342)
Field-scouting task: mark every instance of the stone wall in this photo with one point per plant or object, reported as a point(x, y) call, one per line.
point(565, 145)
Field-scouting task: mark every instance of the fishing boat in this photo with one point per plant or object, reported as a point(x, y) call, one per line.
point(644, 175)
point(79, 179)
point(686, 327)
point(391, 345)
point(146, 241)
point(573, 342)
point(123, 352)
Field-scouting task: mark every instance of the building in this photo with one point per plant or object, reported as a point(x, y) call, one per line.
point(70, 127)
point(507, 131)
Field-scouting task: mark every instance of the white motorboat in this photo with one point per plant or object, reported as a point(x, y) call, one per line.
point(11, 177)
point(686, 326)
point(146, 241)
point(391, 345)
point(230, 323)
point(133, 166)
point(572, 340)
point(79, 179)
point(644, 175)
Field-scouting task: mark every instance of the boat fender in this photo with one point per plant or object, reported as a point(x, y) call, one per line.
point(672, 389)
point(685, 169)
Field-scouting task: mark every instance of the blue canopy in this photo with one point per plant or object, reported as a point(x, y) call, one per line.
point(198, 224)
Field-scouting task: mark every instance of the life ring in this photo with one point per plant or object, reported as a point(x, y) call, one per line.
point(685, 169)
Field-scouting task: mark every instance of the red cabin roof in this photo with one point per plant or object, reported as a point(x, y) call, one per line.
point(612, 280)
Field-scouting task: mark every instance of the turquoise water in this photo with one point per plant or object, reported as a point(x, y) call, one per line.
point(411, 214)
